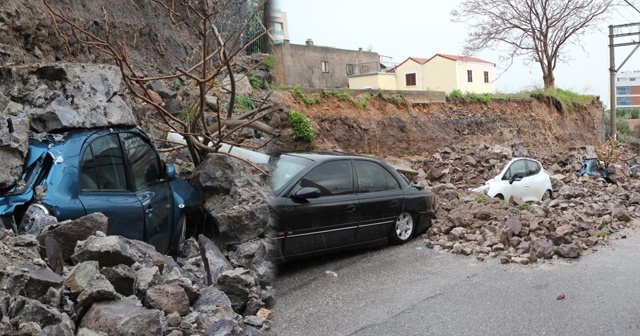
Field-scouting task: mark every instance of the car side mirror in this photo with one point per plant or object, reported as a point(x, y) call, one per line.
point(307, 192)
point(171, 172)
point(516, 177)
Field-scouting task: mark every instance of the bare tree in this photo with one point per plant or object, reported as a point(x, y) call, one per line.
point(216, 55)
point(536, 29)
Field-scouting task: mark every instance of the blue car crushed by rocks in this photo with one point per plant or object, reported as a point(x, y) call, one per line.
point(116, 171)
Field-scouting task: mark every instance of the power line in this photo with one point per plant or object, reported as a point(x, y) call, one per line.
point(632, 6)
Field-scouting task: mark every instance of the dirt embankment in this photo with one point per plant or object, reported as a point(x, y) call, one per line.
point(383, 128)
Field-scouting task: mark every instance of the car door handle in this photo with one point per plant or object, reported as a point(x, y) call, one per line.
point(350, 208)
point(394, 204)
point(149, 212)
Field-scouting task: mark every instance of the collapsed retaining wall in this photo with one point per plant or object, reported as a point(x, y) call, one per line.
point(405, 129)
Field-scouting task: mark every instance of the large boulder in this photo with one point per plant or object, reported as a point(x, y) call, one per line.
point(215, 263)
point(122, 317)
point(68, 233)
point(62, 96)
point(54, 97)
point(14, 141)
point(236, 197)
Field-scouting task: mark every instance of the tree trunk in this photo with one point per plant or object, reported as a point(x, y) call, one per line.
point(549, 80)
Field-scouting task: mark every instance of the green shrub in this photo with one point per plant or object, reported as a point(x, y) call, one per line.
point(301, 125)
point(244, 103)
point(269, 61)
point(254, 81)
point(306, 100)
point(363, 103)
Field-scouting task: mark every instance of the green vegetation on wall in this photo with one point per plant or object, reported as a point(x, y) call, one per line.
point(301, 125)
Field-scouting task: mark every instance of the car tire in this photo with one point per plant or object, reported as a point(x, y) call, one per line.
point(402, 230)
point(500, 197)
point(546, 195)
point(180, 236)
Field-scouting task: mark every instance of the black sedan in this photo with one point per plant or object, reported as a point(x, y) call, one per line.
point(327, 203)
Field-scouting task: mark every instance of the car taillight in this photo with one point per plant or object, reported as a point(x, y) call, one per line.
point(433, 202)
point(29, 223)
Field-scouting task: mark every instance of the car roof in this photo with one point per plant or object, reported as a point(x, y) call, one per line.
point(319, 157)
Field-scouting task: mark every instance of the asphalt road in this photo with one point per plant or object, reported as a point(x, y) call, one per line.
point(412, 290)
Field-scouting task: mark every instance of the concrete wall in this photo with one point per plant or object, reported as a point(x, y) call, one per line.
point(411, 96)
point(301, 65)
point(376, 81)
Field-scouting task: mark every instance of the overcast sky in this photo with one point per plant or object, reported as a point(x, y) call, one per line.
point(422, 28)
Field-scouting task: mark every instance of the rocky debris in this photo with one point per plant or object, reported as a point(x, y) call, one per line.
point(123, 287)
point(236, 198)
point(584, 212)
point(68, 233)
point(53, 98)
point(214, 261)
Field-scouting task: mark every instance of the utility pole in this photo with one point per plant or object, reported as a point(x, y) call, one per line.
point(619, 31)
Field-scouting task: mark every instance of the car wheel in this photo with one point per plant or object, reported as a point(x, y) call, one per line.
point(500, 197)
point(547, 195)
point(178, 240)
point(402, 229)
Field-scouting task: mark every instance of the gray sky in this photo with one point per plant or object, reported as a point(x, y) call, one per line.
point(415, 28)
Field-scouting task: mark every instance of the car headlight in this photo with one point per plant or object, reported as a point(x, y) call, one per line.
point(30, 220)
point(482, 189)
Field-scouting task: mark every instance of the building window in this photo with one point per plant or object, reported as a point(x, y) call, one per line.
point(632, 79)
point(325, 66)
point(469, 76)
point(623, 90)
point(623, 101)
point(410, 79)
point(350, 69)
point(486, 76)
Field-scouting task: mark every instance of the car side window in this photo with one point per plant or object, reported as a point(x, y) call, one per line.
point(102, 165)
point(331, 178)
point(145, 163)
point(532, 168)
point(373, 177)
point(517, 167)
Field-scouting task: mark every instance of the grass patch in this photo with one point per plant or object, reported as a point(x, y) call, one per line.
point(481, 198)
point(456, 96)
point(244, 103)
point(309, 101)
point(563, 99)
point(345, 96)
point(254, 81)
point(269, 61)
point(524, 207)
point(601, 234)
point(301, 125)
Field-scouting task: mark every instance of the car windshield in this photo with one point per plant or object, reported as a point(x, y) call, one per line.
point(284, 168)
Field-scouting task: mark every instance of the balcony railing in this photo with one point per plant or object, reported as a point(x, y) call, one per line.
point(367, 68)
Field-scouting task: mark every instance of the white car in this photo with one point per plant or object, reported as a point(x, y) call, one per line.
point(521, 177)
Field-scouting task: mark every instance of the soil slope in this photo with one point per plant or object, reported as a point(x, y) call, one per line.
point(404, 129)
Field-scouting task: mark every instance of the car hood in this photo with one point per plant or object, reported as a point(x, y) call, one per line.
point(22, 192)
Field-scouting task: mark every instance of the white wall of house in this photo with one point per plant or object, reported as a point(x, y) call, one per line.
point(477, 83)
point(376, 81)
point(441, 74)
point(410, 67)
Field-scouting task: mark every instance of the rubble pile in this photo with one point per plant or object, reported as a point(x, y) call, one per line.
point(585, 212)
point(52, 98)
point(110, 285)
